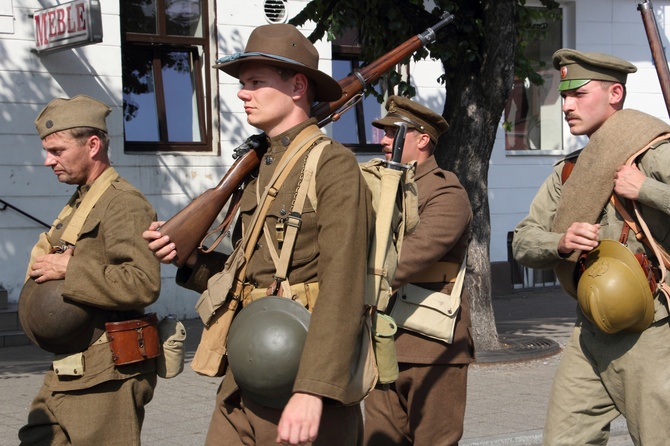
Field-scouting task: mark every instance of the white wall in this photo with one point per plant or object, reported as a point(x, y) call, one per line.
point(28, 82)
point(170, 181)
point(607, 26)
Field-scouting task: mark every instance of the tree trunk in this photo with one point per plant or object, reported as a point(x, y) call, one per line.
point(476, 96)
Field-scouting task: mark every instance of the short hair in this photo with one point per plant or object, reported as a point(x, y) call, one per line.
point(82, 134)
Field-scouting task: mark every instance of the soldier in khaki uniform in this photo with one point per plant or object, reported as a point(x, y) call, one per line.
point(279, 81)
point(611, 366)
point(426, 404)
point(109, 271)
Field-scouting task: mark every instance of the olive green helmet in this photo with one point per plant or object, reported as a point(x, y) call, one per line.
point(55, 323)
point(613, 291)
point(265, 343)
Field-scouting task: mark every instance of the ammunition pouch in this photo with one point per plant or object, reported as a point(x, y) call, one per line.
point(134, 340)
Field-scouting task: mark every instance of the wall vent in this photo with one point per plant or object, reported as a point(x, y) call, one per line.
point(275, 11)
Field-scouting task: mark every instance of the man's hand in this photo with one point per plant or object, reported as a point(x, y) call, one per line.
point(628, 181)
point(160, 244)
point(579, 236)
point(299, 422)
point(51, 266)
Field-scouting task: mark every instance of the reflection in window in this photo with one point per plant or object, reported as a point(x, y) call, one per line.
point(183, 18)
point(139, 97)
point(166, 79)
point(354, 126)
point(174, 77)
point(180, 101)
point(533, 119)
point(139, 16)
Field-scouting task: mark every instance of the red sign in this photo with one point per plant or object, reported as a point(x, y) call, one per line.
point(72, 24)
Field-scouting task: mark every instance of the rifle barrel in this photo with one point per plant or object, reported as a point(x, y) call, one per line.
point(657, 51)
point(189, 226)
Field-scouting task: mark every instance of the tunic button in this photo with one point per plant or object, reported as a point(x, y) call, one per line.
point(285, 141)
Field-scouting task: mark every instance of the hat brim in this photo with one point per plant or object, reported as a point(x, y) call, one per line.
point(571, 84)
point(327, 88)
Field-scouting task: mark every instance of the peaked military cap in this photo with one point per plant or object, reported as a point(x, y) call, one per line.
point(283, 45)
point(579, 68)
point(80, 111)
point(423, 119)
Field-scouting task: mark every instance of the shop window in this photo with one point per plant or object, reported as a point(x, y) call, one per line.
point(533, 120)
point(166, 81)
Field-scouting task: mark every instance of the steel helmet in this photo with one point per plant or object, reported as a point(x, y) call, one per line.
point(613, 291)
point(55, 323)
point(265, 343)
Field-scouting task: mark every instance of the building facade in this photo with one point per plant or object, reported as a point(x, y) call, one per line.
point(176, 122)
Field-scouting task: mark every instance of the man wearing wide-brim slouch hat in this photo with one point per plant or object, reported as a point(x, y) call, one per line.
point(279, 79)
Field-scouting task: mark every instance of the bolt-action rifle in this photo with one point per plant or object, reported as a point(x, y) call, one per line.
point(189, 226)
point(657, 53)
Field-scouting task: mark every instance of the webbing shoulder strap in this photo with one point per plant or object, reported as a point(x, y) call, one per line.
point(302, 142)
point(294, 220)
point(75, 224)
point(98, 188)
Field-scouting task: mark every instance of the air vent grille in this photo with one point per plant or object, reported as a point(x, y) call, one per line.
point(275, 11)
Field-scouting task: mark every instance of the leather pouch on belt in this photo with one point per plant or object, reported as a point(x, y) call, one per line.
point(134, 340)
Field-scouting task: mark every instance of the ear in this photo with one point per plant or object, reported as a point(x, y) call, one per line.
point(616, 94)
point(300, 84)
point(423, 141)
point(94, 146)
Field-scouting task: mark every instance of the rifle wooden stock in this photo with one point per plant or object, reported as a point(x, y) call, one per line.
point(190, 225)
point(657, 53)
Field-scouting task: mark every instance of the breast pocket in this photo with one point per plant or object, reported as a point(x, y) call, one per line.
point(90, 228)
point(280, 219)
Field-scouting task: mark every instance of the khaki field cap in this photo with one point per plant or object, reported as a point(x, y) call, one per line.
point(283, 45)
point(415, 115)
point(80, 111)
point(579, 68)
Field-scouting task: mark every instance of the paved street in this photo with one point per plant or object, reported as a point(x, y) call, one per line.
point(506, 401)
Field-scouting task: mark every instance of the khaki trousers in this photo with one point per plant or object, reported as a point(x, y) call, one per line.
point(109, 414)
point(424, 407)
point(241, 422)
point(601, 376)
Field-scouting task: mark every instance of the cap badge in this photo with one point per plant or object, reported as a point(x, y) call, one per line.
point(49, 124)
point(564, 72)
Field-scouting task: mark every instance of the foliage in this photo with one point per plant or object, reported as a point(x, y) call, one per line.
point(459, 42)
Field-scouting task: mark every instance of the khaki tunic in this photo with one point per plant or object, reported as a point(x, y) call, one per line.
point(536, 247)
point(331, 248)
point(113, 270)
point(442, 235)
point(602, 376)
point(426, 405)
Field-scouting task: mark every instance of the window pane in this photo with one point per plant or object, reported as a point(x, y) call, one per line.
point(139, 16)
point(183, 18)
point(139, 97)
point(180, 98)
point(533, 118)
point(345, 130)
